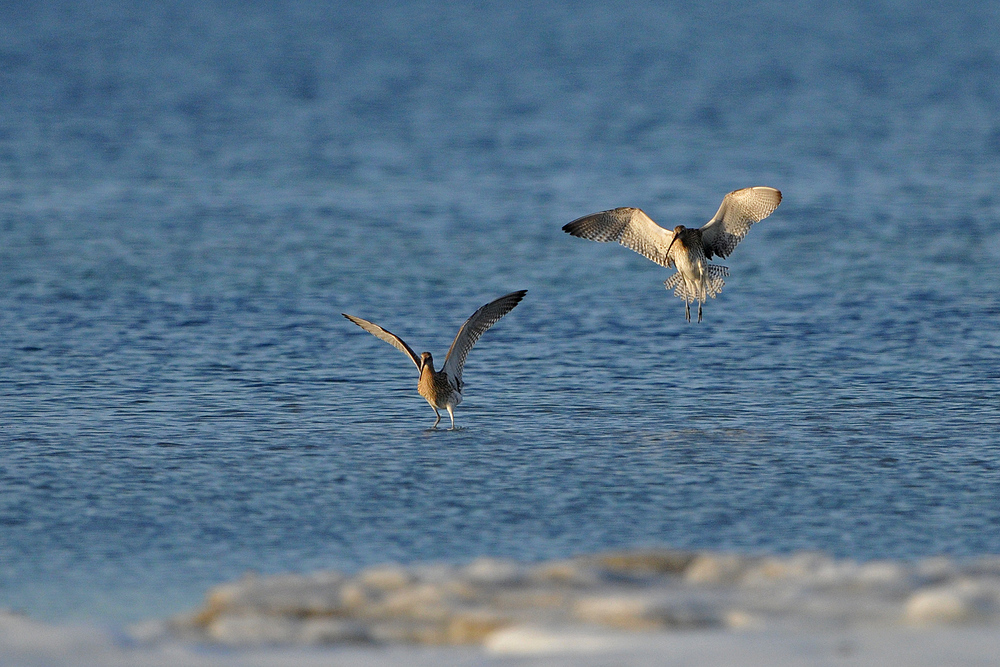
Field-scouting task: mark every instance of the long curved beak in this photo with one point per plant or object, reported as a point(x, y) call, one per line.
point(667, 253)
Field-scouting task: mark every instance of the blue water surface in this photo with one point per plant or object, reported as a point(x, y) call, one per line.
point(192, 192)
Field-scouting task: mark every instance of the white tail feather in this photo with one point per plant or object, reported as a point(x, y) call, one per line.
point(713, 284)
point(716, 274)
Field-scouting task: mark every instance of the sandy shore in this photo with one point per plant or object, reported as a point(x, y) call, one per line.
point(27, 643)
point(652, 607)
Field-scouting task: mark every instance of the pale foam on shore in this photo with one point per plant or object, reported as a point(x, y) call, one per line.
point(641, 607)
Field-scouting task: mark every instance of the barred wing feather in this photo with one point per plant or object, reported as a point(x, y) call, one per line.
point(629, 226)
point(385, 335)
point(739, 210)
point(474, 327)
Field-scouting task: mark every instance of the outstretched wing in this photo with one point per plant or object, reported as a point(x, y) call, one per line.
point(629, 226)
point(739, 210)
point(387, 336)
point(474, 327)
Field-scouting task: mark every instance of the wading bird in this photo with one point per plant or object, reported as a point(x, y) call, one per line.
point(687, 249)
point(443, 388)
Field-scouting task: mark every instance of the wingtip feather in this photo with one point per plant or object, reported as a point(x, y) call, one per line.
point(575, 227)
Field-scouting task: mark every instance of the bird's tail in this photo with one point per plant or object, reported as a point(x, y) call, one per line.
point(715, 281)
point(713, 284)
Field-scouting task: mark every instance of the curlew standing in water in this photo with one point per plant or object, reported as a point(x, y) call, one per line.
point(687, 249)
point(443, 388)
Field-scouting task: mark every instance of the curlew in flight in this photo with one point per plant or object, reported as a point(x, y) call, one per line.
point(687, 249)
point(443, 388)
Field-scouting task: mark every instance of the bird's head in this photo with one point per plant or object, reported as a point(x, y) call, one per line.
point(426, 360)
point(677, 234)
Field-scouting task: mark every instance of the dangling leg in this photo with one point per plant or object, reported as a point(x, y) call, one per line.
point(451, 413)
point(699, 311)
point(436, 421)
point(687, 311)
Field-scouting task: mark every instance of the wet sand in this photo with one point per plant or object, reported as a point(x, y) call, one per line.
point(23, 642)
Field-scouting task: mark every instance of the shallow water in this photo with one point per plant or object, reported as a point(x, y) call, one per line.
point(192, 194)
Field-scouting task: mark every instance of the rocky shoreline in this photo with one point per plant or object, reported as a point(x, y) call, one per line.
point(508, 606)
